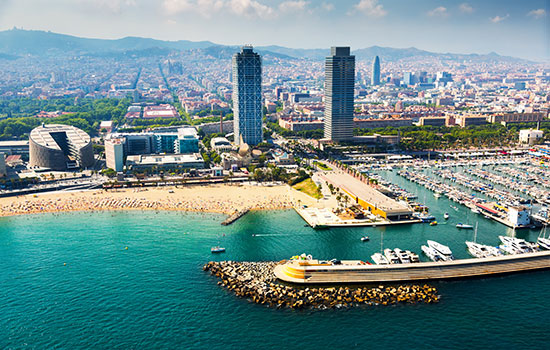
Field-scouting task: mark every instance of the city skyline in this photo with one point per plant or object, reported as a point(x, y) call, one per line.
point(442, 26)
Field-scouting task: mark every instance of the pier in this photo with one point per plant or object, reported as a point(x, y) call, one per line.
point(296, 272)
point(235, 216)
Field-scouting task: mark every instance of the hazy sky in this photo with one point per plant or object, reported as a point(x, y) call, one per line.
point(518, 28)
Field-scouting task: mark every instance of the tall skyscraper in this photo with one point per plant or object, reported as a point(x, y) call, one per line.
point(375, 77)
point(247, 97)
point(339, 89)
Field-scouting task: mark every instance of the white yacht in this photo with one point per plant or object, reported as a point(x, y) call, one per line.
point(414, 257)
point(482, 251)
point(443, 250)
point(379, 259)
point(403, 256)
point(391, 256)
point(446, 216)
point(431, 253)
point(464, 226)
point(513, 245)
point(544, 243)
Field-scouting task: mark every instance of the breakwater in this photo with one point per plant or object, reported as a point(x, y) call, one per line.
point(257, 282)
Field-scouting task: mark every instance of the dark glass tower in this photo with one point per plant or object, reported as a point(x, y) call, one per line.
point(339, 89)
point(375, 78)
point(247, 96)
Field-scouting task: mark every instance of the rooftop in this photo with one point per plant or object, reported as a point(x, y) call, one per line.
point(43, 135)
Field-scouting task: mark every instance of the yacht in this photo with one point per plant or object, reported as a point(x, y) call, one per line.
point(379, 259)
point(446, 216)
point(431, 253)
point(482, 251)
point(544, 243)
point(443, 250)
point(391, 256)
point(414, 257)
point(404, 258)
point(475, 211)
point(513, 245)
point(464, 226)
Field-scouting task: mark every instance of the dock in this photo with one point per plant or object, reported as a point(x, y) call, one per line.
point(325, 218)
point(235, 216)
point(358, 272)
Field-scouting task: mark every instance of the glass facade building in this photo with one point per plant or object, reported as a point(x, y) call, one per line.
point(247, 96)
point(339, 91)
point(375, 77)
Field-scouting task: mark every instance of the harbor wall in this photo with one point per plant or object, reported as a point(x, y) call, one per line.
point(414, 272)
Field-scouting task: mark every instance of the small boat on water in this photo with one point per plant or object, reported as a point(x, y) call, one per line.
point(365, 239)
point(433, 223)
point(437, 194)
point(217, 249)
point(446, 216)
point(443, 250)
point(379, 259)
point(475, 211)
point(464, 226)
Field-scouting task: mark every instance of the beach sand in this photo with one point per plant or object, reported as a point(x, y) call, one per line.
point(224, 199)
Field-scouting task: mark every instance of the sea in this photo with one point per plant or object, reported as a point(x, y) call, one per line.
point(134, 280)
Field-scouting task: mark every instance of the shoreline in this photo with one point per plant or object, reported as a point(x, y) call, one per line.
point(218, 199)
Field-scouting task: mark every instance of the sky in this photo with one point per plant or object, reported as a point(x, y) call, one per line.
point(519, 28)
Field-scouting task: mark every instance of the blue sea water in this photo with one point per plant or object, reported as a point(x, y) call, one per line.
point(67, 282)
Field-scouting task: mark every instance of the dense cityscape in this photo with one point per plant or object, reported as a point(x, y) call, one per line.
point(303, 180)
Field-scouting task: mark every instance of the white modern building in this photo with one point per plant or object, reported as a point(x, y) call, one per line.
point(530, 136)
point(114, 154)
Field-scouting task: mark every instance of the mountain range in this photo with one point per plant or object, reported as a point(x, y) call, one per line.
point(18, 42)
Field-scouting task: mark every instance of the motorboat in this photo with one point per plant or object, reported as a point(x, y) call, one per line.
point(425, 217)
point(544, 243)
point(475, 211)
point(443, 250)
point(404, 258)
point(217, 249)
point(379, 259)
point(464, 226)
point(482, 251)
point(414, 257)
point(431, 253)
point(391, 256)
point(365, 239)
point(446, 216)
point(437, 194)
point(514, 245)
point(433, 223)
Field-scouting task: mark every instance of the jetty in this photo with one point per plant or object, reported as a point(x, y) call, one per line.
point(346, 272)
point(235, 216)
point(256, 282)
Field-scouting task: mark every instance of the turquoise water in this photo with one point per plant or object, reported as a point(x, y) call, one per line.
point(155, 294)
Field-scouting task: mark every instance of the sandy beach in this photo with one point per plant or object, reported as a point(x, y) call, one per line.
point(224, 199)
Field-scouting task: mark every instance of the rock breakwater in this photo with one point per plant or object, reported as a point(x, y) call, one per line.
point(256, 281)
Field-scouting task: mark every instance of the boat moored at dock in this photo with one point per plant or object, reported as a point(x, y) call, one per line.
point(313, 271)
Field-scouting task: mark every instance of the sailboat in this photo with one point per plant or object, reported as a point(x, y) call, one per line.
point(379, 258)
